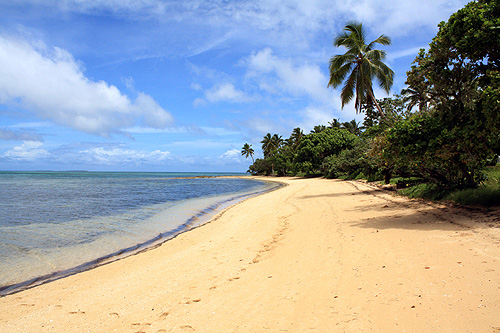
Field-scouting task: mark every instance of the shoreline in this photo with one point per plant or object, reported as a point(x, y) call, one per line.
point(320, 255)
point(206, 216)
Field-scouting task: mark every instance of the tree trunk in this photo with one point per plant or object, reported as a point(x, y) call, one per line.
point(372, 96)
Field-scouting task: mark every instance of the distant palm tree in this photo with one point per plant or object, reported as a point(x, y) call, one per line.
point(360, 64)
point(352, 126)
point(414, 96)
point(335, 123)
point(267, 145)
point(247, 150)
point(270, 145)
point(295, 137)
point(277, 142)
point(318, 128)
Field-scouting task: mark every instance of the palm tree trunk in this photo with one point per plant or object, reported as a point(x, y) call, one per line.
point(372, 96)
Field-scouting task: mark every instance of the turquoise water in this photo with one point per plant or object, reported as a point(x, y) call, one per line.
point(54, 224)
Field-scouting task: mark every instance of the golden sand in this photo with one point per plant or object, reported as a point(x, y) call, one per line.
point(317, 255)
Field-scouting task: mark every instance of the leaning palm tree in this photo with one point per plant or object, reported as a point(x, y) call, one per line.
point(360, 64)
point(247, 150)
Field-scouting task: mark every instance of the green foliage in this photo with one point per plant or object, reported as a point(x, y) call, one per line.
point(260, 167)
point(456, 84)
point(352, 164)
point(436, 148)
point(316, 146)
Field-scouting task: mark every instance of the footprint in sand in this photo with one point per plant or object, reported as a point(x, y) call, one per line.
point(193, 301)
point(114, 314)
point(187, 328)
point(77, 312)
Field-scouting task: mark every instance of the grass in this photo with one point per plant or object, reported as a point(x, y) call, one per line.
point(487, 194)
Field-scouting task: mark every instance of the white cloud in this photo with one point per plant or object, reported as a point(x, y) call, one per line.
point(225, 92)
point(51, 83)
point(278, 75)
point(28, 151)
point(231, 153)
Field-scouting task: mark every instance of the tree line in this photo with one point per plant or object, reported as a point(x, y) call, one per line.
point(443, 129)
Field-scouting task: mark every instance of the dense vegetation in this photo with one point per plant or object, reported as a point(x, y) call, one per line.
point(441, 131)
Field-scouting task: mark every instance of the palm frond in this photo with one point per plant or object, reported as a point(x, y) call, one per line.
point(347, 92)
point(337, 76)
point(383, 40)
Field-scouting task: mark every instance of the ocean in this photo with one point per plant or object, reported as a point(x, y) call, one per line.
point(54, 224)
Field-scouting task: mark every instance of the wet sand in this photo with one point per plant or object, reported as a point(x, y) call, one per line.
point(317, 255)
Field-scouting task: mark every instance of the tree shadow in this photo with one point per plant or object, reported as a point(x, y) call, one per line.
point(354, 192)
point(425, 220)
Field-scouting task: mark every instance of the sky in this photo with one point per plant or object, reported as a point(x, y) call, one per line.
point(180, 86)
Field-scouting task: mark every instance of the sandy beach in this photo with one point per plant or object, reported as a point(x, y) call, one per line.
point(317, 255)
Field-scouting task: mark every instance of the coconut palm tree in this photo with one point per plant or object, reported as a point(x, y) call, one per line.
point(360, 64)
point(247, 150)
point(414, 96)
point(277, 142)
point(335, 123)
point(318, 129)
point(295, 137)
point(270, 144)
point(267, 145)
point(352, 126)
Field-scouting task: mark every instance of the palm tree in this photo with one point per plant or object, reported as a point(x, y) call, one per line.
point(295, 137)
point(335, 123)
point(360, 64)
point(352, 126)
point(267, 145)
point(318, 129)
point(277, 142)
point(247, 150)
point(414, 96)
point(270, 145)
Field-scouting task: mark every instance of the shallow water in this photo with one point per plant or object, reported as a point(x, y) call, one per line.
point(56, 223)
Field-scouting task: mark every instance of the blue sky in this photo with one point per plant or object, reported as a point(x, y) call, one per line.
point(159, 85)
